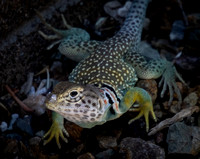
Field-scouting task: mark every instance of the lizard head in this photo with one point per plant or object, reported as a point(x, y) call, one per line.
point(85, 105)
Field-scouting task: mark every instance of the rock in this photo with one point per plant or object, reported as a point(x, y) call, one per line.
point(183, 139)
point(74, 130)
point(14, 136)
point(107, 142)
point(134, 148)
point(3, 126)
point(35, 141)
point(11, 149)
point(123, 11)
point(190, 100)
point(150, 86)
point(189, 63)
point(105, 154)
point(87, 155)
point(158, 111)
point(177, 32)
point(24, 125)
point(174, 107)
point(159, 137)
point(111, 9)
point(40, 133)
point(13, 120)
point(36, 103)
point(78, 149)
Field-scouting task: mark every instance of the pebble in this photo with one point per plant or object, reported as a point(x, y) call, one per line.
point(105, 154)
point(3, 126)
point(190, 100)
point(24, 125)
point(107, 142)
point(150, 86)
point(158, 111)
point(87, 155)
point(36, 103)
point(177, 32)
point(40, 133)
point(14, 117)
point(183, 139)
point(11, 148)
point(35, 141)
point(135, 148)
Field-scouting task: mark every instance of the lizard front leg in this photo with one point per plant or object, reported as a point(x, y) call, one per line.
point(57, 129)
point(133, 95)
point(145, 104)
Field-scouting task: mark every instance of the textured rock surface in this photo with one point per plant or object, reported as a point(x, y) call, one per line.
point(183, 139)
point(135, 148)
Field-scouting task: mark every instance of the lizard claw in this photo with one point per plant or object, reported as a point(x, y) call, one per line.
point(57, 130)
point(144, 110)
point(169, 80)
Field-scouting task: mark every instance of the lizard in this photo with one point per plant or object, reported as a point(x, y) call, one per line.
point(102, 86)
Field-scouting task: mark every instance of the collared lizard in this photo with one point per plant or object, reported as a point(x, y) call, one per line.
point(101, 86)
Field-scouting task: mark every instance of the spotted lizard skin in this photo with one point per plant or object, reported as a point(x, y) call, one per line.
point(105, 77)
point(106, 64)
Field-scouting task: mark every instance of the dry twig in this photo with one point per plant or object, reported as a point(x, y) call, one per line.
point(178, 117)
point(25, 107)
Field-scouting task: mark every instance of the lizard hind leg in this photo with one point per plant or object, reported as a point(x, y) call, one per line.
point(145, 104)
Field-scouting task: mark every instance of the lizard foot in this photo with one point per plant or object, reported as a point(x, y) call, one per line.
point(144, 110)
point(169, 80)
point(57, 130)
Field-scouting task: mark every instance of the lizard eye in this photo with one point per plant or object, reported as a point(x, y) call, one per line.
point(73, 93)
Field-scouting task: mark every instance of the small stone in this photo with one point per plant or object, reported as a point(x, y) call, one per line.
point(174, 107)
point(123, 11)
point(13, 120)
point(74, 130)
point(111, 9)
point(107, 142)
point(158, 111)
point(135, 148)
point(150, 86)
point(40, 133)
point(183, 139)
point(24, 125)
point(3, 126)
point(190, 100)
point(87, 155)
point(36, 103)
point(105, 154)
point(34, 141)
point(78, 149)
point(177, 32)
point(11, 147)
point(159, 137)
